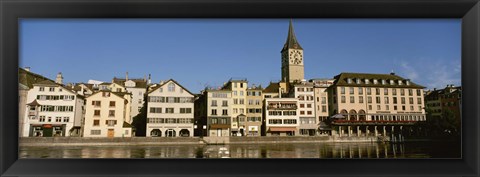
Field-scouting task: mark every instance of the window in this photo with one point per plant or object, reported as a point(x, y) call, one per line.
point(185, 110)
point(58, 119)
point(360, 90)
point(352, 90)
point(214, 120)
point(96, 113)
point(411, 108)
point(235, 110)
point(96, 122)
point(419, 108)
point(51, 89)
point(111, 113)
point(309, 112)
point(95, 132)
point(42, 119)
point(241, 93)
point(111, 122)
point(223, 121)
point(324, 108)
point(169, 110)
point(112, 103)
point(275, 121)
point(235, 93)
point(410, 92)
point(394, 91)
point(289, 121)
point(387, 107)
point(139, 101)
point(419, 100)
point(369, 91)
point(369, 107)
point(96, 103)
point(377, 91)
point(360, 99)
point(403, 108)
point(214, 112)
point(41, 89)
point(352, 99)
point(402, 92)
point(403, 100)
point(385, 91)
point(242, 110)
point(235, 101)
point(386, 100)
point(242, 101)
point(369, 99)
point(224, 103)
point(302, 105)
point(410, 100)
point(419, 92)
point(155, 110)
point(257, 102)
point(171, 87)
point(379, 107)
point(302, 112)
point(214, 103)
point(342, 90)
point(225, 112)
point(309, 105)
point(377, 100)
point(394, 100)
point(395, 108)
point(343, 99)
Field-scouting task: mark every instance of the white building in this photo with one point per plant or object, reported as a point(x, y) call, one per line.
point(52, 110)
point(138, 88)
point(106, 115)
point(170, 111)
point(281, 116)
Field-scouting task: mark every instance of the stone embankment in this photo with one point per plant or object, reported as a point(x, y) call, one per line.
point(81, 141)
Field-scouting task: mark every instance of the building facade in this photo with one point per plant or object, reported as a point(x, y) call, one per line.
point(448, 99)
point(281, 117)
point(292, 58)
point(106, 115)
point(170, 111)
point(369, 101)
point(254, 110)
point(304, 92)
point(52, 110)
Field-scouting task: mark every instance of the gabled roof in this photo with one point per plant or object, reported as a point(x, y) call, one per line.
point(28, 78)
point(53, 84)
point(161, 85)
point(139, 83)
point(292, 42)
point(342, 80)
point(126, 125)
point(34, 103)
point(118, 94)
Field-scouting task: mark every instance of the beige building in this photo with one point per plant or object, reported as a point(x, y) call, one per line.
point(254, 111)
point(281, 116)
point(107, 115)
point(370, 100)
point(304, 92)
point(238, 87)
point(218, 112)
point(170, 111)
point(321, 98)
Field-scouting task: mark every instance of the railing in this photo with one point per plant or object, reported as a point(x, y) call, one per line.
point(282, 107)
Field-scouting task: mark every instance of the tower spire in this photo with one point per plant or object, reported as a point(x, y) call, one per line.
point(292, 42)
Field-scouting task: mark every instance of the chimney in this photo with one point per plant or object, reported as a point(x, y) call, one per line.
point(27, 69)
point(126, 76)
point(149, 78)
point(59, 79)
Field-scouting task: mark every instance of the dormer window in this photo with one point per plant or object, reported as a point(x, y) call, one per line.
point(367, 81)
point(349, 80)
point(358, 81)
point(171, 87)
point(408, 82)
point(383, 82)
point(392, 82)
point(400, 82)
point(375, 81)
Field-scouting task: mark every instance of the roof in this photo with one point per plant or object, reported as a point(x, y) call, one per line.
point(161, 85)
point(272, 88)
point(28, 78)
point(341, 80)
point(292, 42)
point(126, 125)
point(139, 83)
point(34, 103)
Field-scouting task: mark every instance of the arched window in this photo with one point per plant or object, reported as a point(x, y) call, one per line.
point(155, 133)
point(361, 115)
point(344, 112)
point(171, 87)
point(184, 133)
point(353, 115)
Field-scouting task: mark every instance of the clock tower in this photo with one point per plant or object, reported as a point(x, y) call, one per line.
point(292, 58)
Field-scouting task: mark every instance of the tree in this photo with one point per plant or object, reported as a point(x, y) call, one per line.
point(445, 125)
point(140, 120)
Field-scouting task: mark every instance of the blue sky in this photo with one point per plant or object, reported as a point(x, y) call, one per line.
point(208, 52)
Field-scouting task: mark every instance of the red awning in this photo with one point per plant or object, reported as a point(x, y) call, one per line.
point(222, 126)
point(282, 129)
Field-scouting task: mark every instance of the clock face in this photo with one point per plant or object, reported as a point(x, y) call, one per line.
point(296, 57)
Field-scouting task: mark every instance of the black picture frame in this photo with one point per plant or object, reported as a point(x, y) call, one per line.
point(12, 10)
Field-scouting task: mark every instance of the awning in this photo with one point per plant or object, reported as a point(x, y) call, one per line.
point(222, 126)
point(282, 129)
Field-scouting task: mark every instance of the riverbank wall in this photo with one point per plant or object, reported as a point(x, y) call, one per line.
point(133, 141)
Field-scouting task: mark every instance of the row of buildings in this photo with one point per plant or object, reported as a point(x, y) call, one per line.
point(350, 104)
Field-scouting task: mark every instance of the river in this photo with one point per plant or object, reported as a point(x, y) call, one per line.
point(298, 150)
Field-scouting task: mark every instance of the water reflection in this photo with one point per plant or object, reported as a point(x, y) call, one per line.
point(305, 150)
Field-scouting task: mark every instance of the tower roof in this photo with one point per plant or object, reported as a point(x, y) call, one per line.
point(292, 42)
